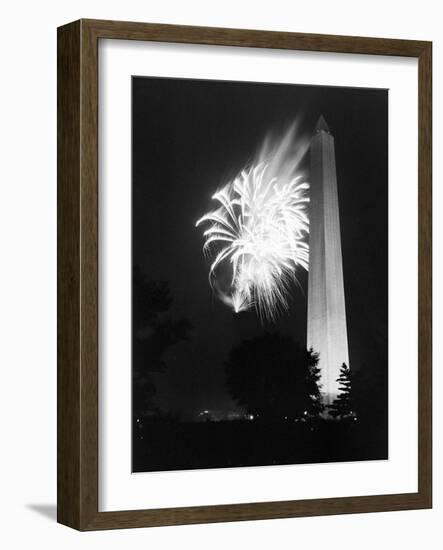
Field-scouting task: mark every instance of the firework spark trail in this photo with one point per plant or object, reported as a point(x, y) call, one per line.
point(260, 230)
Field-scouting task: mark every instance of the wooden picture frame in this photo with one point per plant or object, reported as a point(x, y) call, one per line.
point(78, 274)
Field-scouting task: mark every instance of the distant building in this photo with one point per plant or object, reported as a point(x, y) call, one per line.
point(219, 415)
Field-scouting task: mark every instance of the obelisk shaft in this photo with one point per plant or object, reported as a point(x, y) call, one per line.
point(326, 331)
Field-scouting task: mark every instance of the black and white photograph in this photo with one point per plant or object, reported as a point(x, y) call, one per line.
point(219, 281)
point(220, 288)
point(259, 274)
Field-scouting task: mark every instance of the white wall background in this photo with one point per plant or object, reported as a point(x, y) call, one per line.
point(28, 274)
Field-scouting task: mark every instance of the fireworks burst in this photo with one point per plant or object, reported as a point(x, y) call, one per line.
point(259, 231)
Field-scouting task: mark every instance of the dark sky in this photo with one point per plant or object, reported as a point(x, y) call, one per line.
point(192, 136)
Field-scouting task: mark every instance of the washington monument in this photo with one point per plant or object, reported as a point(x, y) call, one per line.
point(326, 331)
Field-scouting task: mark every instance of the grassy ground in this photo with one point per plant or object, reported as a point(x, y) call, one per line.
point(160, 445)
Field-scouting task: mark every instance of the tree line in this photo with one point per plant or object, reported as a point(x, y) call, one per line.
point(273, 377)
point(270, 376)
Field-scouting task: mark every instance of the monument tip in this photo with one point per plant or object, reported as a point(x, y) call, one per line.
point(322, 126)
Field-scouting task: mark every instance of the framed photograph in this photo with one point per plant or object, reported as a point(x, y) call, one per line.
point(244, 275)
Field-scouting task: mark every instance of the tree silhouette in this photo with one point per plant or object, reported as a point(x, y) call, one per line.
point(154, 332)
point(342, 406)
point(272, 377)
point(315, 405)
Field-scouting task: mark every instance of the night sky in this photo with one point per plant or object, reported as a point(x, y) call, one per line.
point(192, 136)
